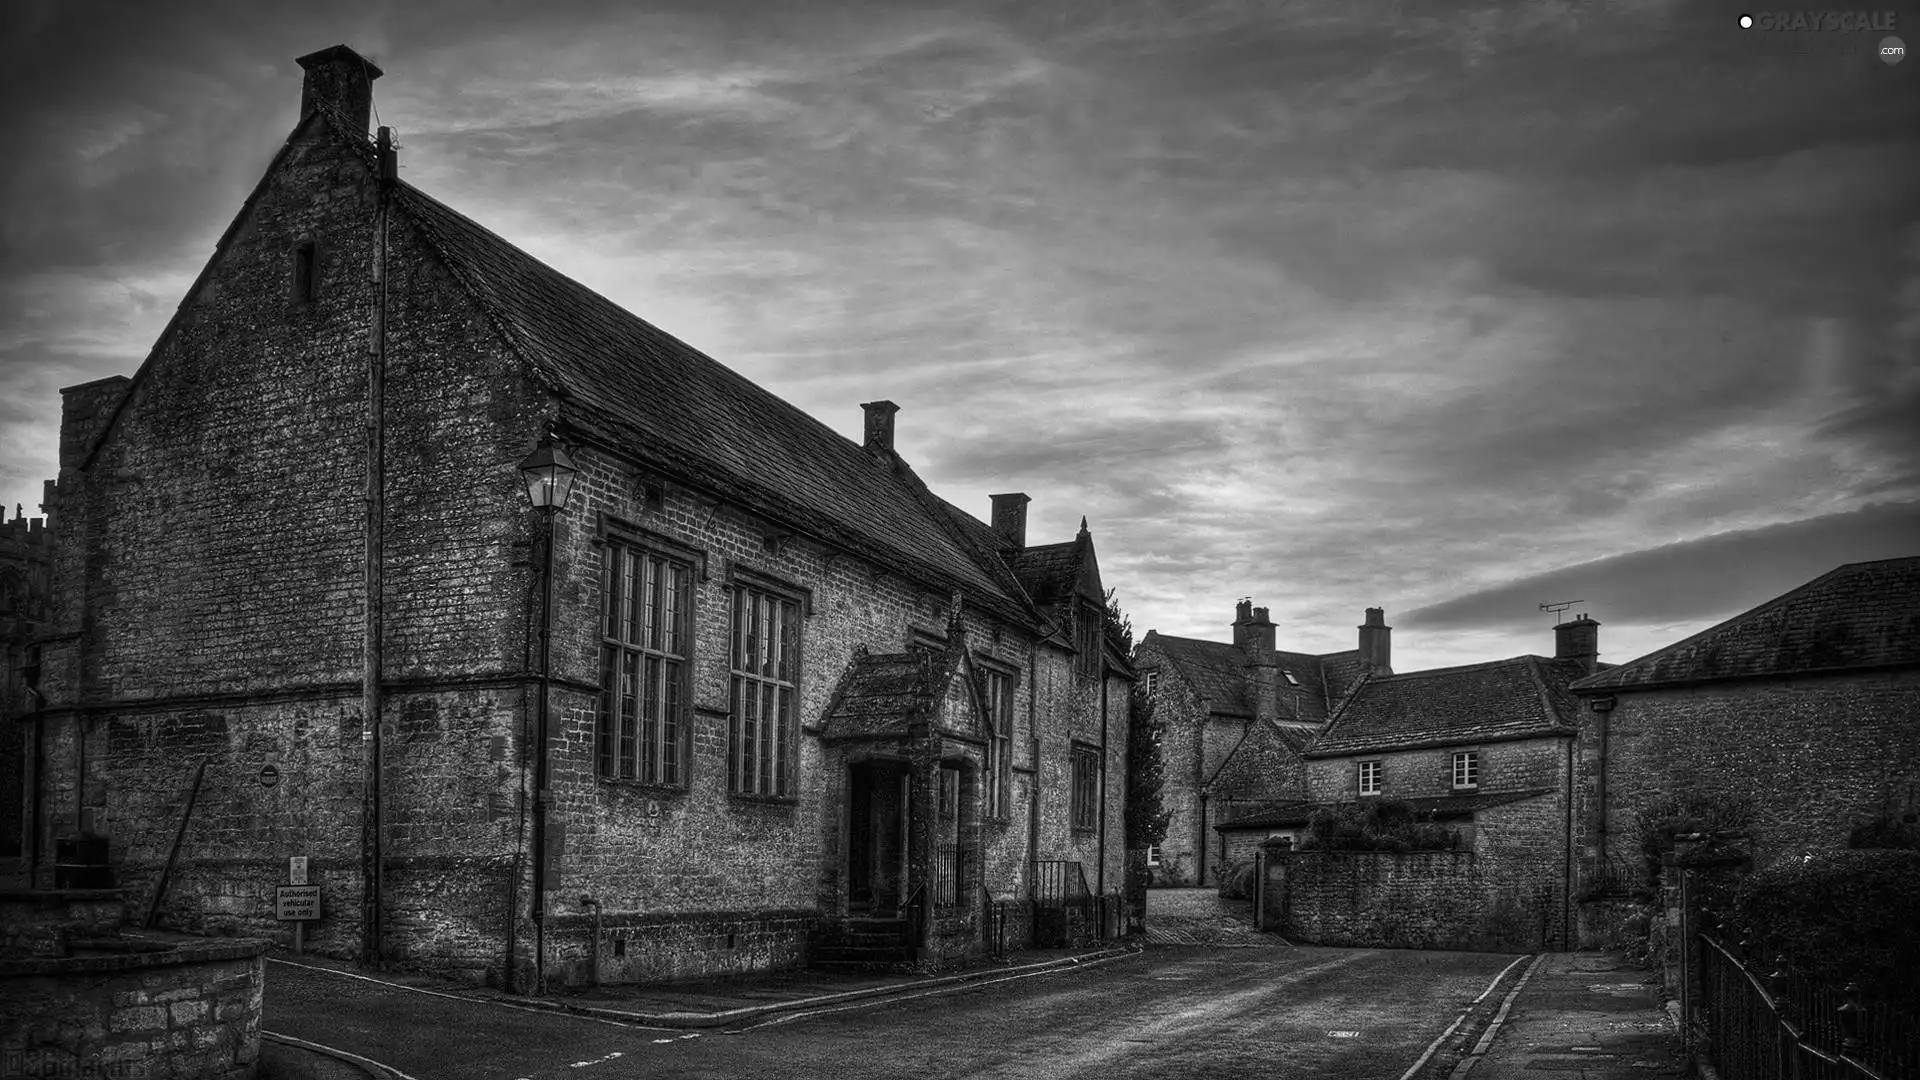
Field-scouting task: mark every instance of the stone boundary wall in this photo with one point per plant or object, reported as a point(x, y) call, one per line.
point(185, 1013)
point(1411, 900)
point(671, 947)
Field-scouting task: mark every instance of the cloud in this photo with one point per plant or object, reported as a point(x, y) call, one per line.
point(1704, 579)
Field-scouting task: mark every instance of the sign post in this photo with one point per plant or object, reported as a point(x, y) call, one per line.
point(297, 902)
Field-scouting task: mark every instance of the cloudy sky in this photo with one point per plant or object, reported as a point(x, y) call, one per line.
point(1447, 308)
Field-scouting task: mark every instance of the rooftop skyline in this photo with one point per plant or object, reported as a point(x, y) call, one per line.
point(1448, 309)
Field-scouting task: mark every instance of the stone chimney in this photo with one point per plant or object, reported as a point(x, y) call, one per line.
point(1252, 631)
point(1263, 674)
point(1376, 642)
point(84, 412)
point(880, 424)
point(339, 81)
point(1578, 640)
point(1010, 517)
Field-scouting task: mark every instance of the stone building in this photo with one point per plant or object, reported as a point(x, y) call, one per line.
point(25, 577)
point(1236, 718)
point(299, 608)
point(1489, 749)
point(1798, 720)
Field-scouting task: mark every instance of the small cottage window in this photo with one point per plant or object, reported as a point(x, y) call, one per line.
point(1153, 854)
point(1466, 769)
point(1086, 787)
point(1369, 778)
point(306, 272)
point(1151, 682)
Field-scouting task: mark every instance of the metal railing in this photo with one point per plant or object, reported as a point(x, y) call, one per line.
point(1611, 878)
point(1776, 1026)
point(949, 873)
point(1059, 882)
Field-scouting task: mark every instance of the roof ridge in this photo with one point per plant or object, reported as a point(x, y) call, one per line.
point(1619, 674)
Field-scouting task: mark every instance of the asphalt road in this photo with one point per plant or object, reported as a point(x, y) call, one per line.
point(1169, 1012)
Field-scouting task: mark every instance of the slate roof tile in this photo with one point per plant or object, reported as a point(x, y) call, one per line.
point(656, 397)
point(1861, 615)
point(1503, 699)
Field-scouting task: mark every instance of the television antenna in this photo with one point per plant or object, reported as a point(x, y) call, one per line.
point(1559, 607)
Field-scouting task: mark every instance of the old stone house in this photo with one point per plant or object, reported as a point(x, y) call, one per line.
point(301, 610)
point(26, 549)
point(1796, 721)
point(1236, 717)
point(1490, 750)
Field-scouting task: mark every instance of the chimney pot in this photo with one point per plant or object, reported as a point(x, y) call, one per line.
point(880, 424)
point(1253, 632)
point(1010, 517)
point(340, 82)
point(1376, 642)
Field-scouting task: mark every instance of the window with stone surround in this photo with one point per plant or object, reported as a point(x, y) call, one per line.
point(1466, 768)
point(996, 692)
point(646, 637)
point(1369, 775)
point(306, 272)
point(766, 675)
point(1086, 640)
point(1086, 786)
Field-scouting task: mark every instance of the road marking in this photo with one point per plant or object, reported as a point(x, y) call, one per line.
point(598, 1060)
point(463, 997)
point(378, 1067)
point(1506, 1006)
point(1344, 1034)
point(1458, 1020)
point(953, 989)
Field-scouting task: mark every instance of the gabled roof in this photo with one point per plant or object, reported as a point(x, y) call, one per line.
point(645, 392)
point(1054, 573)
point(1505, 699)
point(881, 693)
point(1439, 807)
point(1860, 616)
point(1218, 672)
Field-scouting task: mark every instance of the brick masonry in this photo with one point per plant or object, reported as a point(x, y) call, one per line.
point(211, 560)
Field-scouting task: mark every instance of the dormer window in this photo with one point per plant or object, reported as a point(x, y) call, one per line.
point(306, 272)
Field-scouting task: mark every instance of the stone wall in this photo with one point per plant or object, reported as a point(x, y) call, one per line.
point(1809, 758)
point(188, 1013)
point(1505, 894)
point(212, 555)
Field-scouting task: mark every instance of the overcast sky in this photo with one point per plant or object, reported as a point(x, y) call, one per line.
point(1450, 309)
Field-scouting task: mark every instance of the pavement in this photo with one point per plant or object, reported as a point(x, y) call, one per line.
point(1204, 917)
point(1590, 1015)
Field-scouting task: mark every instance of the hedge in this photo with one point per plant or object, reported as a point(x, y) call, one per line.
point(1838, 916)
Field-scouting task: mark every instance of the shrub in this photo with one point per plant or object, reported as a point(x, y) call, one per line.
point(1236, 881)
point(1681, 814)
point(1836, 917)
point(1888, 832)
point(1383, 825)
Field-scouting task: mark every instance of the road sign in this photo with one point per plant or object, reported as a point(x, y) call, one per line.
point(269, 776)
point(296, 903)
point(296, 870)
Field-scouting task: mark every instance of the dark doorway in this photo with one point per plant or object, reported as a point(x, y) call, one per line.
point(877, 812)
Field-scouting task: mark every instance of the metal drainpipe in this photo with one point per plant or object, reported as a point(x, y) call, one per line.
point(1566, 902)
point(1100, 874)
point(542, 797)
point(1200, 843)
point(373, 830)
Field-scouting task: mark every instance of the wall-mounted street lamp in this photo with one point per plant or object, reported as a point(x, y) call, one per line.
point(548, 473)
